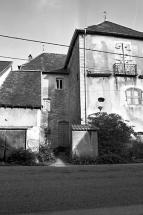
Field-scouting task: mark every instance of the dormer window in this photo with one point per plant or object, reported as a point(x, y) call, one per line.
point(134, 96)
point(59, 83)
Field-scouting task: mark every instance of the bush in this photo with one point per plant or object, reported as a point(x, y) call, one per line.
point(104, 159)
point(135, 150)
point(82, 160)
point(45, 153)
point(22, 156)
point(113, 133)
point(111, 159)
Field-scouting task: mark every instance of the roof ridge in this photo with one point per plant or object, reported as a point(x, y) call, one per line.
point(114, 24)
point(42, 54)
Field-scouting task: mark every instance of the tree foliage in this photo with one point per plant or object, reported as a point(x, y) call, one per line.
point(113, 134)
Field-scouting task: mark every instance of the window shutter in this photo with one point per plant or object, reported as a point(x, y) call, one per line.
point(118, 52)
point(127, 53)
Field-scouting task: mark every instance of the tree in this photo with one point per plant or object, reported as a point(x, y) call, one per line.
point(113, 134)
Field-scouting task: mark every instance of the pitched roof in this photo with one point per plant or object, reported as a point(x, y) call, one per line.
point(4, 65)
point(46, 62)
point(21, 88)
point(110, 27)
point(104, 28)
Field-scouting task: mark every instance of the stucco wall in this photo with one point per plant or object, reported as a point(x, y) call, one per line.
point(74, 85)
point(100, 61)
point(84, 143)
point(23, 118)
point(18, 117)
point(111, 88)
point(59, 109)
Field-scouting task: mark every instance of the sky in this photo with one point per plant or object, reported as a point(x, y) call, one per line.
point(55, 21)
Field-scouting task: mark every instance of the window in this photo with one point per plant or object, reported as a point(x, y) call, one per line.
point(46, 104)
point(134, 96)
point(59, 83)
point(123, 52)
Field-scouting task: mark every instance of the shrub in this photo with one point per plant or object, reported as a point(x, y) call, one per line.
point(111, 159)
point(22, 156)
point(45, 153)
point(135, 150)
point(103, 159)
point(113, 133)
point(82, 160)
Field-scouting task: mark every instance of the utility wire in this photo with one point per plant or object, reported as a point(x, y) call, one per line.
point(57, 44)
point(35, 41)
point(15, 58)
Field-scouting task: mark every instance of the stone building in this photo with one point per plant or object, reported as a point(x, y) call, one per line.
point(20, 111)
point(54, 124)
point(102, 71)
point(106, 73)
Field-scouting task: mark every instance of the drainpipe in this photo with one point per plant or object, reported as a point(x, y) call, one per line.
point(85, 71)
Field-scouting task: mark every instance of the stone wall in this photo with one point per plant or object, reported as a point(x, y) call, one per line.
point(74, 86)
point(59, 110)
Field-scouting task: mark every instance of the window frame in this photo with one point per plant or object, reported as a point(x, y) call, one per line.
point(123, 55)
point(59, 83)
point(133, 98)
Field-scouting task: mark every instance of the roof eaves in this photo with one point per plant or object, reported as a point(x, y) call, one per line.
point(114, 34)
point(20, 106)
point(29, 70)
point(57, 71)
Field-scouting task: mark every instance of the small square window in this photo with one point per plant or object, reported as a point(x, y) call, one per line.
point(59, 83)
point(46, 105)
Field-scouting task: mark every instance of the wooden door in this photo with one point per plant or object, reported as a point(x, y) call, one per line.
point(63, 133)
point(10, 139)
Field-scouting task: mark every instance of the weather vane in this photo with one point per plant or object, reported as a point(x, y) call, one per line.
point(105, 15)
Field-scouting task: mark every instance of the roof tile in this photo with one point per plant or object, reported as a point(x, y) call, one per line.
point(84, 128)
point(46, 62)
point(110, 27)
point(4, 65)
point(21, 89)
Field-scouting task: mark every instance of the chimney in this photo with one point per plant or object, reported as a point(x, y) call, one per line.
point(30, 57)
